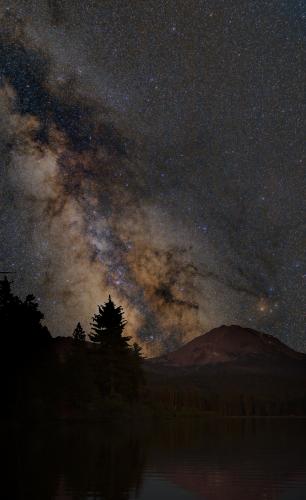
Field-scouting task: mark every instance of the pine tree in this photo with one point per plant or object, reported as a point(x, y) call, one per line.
point(79, 334)
point(107, 330)
point(108, 326)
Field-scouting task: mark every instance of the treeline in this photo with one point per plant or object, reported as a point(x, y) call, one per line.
point(192, 401)
point(43, 377)
point(224, 392)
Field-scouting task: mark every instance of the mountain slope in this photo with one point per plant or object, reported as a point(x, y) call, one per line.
point(229, 371)
point(227, 344)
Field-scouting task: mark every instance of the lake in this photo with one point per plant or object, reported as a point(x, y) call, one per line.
point(222, 459)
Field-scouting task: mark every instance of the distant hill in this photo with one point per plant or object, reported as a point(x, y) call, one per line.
point(228, 344)
point(230, 371)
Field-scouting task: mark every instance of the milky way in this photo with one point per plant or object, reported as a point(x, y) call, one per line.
point(155, 154)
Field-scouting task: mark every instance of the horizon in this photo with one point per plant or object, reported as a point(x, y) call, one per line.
point(163, 353)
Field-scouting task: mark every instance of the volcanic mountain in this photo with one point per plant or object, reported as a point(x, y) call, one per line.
point(230, 371)
point(228, 344)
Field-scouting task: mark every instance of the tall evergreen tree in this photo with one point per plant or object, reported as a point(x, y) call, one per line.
point(119, 367)
point(108, 326)
point(79, 334)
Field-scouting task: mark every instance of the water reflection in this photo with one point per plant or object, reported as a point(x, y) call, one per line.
point(235, 459)
point(72, 462)
point(215, 460)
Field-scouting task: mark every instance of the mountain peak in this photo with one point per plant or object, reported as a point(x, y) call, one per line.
point(227, 343)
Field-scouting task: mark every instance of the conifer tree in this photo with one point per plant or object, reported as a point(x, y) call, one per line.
point(117, 365)
point(79, 334)
point(108, 326)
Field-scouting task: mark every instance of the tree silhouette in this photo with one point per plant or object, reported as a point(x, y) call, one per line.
point(6, 296)
point(31, 318)
point(79, 334)
point(137, 350)
point(137, 375)
point(20, 321)
point(23, 342)
point(9, 306)
point(108, 326)
point(121, 362)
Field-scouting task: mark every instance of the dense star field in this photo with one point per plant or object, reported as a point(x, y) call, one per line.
point(155, 151)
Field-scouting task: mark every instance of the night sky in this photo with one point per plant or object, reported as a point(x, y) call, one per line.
point(155, 150)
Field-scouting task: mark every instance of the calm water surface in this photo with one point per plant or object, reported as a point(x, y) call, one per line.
point(235, 459)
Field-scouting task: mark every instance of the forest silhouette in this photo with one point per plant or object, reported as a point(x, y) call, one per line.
point(64, 375)
point(43, 378)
